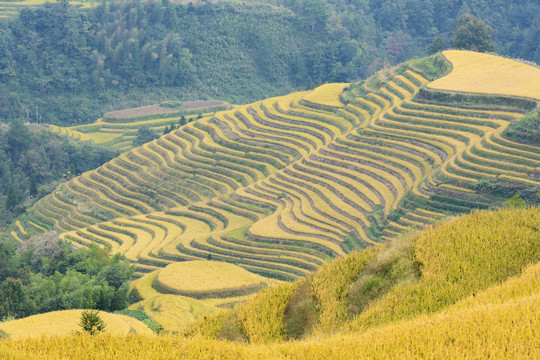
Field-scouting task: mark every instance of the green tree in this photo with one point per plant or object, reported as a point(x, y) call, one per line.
point(12, 197)
point(473, 34)
point(144, 135)
point(18, 138)
point(33, 185)
point(14, 300)
point(515, 202)
point(438, 44)
point(91, 322)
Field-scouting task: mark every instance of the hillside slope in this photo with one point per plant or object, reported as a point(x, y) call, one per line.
point(282, 185)
point(477, 296)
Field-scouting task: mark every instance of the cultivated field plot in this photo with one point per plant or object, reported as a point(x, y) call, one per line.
point(65, 322)
point(118, 129)
point(489, 74)
point(280, 186)
point(12, 8)
point(181, 292)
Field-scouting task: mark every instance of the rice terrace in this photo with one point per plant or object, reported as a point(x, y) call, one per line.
point(390, 218)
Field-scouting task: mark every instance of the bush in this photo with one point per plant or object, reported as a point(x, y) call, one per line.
point(91, 322)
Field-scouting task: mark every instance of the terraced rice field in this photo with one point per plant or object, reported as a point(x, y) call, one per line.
point(118, 129)
point(280, 186)
point(163, 291)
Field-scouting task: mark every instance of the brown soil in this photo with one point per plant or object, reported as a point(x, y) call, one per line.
point(158, 109)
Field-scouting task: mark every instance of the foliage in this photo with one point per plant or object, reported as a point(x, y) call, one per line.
point(91, 322)
point(525, 130)
point(32, 161)
point(88, 61)
point(515, 202)
point(438, 44)
point(144, 135)
point(45, 275)
point(142, 316)
point(473, 34)
point(501, 188)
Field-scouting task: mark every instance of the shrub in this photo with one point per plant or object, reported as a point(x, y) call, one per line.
point(91, 322)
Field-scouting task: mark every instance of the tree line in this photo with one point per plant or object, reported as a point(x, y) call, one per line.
point(64, 65)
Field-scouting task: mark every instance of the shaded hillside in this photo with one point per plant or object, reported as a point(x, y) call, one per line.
point(282, 185)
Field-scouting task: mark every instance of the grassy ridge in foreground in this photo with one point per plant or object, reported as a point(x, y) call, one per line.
point(494, 315)
point(419, 275)
point(66, 321)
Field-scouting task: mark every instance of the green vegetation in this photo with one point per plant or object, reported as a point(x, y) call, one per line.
point(473, 34)
point(526, 130)
point(124, 54)
point(33, 162)
point(45, 275)
point(91, 322)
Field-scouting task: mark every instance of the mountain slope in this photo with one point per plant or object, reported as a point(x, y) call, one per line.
point(490, 258)
point(281, 185)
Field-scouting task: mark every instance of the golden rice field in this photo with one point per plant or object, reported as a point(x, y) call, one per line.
point(328, 94)
point(282, 186)
point(118, 129)
point(206, 278)
point(65, 322)
point(489, 74)
point(480, 300)
point(168, 294)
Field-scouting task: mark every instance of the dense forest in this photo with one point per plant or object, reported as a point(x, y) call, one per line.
point(33, 162)
point(64, 65)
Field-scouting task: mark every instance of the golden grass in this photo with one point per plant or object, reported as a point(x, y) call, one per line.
point(20, 227)
point(327, 94)
point(207, 278)
point(470, 254)
point(476, 299)
point(505, 331)
point(173, 312)
point(489, 74)
point(66, 321)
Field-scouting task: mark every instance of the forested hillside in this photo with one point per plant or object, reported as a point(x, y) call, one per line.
point(33, 161)
point(65, 65)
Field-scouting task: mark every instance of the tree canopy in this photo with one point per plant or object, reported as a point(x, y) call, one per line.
point(473, 34)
